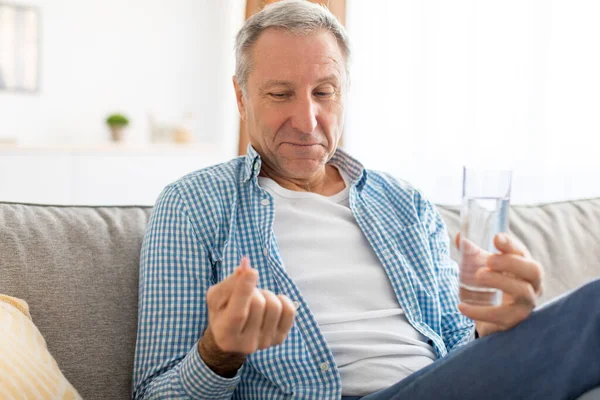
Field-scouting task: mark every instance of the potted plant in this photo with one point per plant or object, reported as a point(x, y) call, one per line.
point(117, 124)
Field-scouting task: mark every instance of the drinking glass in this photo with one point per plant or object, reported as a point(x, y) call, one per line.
point(484, 213)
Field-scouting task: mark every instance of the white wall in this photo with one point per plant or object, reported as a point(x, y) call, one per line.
point(134, 56)
point(438, 84)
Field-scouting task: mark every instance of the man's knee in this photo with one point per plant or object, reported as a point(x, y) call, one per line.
point(588, 296)
point(592, 287)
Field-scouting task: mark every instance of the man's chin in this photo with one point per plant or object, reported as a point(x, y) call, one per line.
point(303, 168)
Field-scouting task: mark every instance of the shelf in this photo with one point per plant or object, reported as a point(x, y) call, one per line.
point(112, 148)
point(107, 174)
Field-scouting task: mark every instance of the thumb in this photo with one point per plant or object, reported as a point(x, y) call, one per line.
point(244, 272)
point(224, 289)
point(239, 272)
point(244, 286)
point(243, 267)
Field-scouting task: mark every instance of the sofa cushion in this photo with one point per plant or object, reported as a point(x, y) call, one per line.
point(564, 237)
point(77, 267)
point(26, 368)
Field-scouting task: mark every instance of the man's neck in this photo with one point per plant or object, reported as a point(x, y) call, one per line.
point(326, 183)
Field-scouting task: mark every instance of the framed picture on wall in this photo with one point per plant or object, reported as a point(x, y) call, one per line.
point(19, 48)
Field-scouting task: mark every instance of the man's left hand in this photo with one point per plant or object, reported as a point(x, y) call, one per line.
point(518, 276)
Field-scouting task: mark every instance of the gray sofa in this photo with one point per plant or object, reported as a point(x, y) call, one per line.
point(77, 267)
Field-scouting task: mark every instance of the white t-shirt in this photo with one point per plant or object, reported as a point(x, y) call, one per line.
point(347, 289)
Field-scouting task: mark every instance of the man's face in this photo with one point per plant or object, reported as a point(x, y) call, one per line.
point(294, 103)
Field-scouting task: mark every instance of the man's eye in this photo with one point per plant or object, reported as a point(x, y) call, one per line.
point(279, 95)
point(323, 94)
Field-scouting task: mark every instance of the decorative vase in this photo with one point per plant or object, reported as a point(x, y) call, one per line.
point(117, 132)
point(182, 136)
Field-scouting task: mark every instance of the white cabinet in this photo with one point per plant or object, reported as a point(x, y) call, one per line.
point(109, 175)
point(39, 178)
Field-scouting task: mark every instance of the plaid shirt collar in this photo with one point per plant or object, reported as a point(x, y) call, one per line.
point(351, 166)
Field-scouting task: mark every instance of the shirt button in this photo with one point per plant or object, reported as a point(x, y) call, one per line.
point(324, 367)
point(297, 304)
point(265, 202)
point(256, 167)
point(266, 252)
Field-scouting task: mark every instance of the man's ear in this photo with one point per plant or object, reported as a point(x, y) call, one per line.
point(239, 95)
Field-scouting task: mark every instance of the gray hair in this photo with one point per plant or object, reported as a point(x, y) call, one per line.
point(299, 17)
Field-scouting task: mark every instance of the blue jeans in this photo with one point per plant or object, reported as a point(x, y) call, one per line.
point(554, 354)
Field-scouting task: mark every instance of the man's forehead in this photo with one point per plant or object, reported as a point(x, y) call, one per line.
point(279, 57)
point(280, 46)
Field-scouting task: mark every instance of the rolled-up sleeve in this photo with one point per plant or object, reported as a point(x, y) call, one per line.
point(175, 274)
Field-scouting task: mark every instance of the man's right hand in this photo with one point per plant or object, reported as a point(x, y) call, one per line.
point(242, 320)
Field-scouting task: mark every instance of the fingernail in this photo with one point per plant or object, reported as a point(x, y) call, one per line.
point(502, 239)
point(243, 267)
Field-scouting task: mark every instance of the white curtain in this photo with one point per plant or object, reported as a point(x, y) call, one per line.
point(437, 84)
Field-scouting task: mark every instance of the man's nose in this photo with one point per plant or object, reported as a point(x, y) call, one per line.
point(304, 116)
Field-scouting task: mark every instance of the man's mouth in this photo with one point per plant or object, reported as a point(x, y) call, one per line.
point(302, 144)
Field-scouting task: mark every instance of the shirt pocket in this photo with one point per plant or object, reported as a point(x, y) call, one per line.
point(227, 259)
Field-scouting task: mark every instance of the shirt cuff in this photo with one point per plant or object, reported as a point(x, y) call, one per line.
point(199, 381)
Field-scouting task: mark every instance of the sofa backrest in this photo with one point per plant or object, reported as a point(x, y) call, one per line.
point(77, 267)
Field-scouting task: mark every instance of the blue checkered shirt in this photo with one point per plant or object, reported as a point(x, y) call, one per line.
point(205, 222)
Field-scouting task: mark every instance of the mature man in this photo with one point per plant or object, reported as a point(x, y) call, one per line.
point(351, 290)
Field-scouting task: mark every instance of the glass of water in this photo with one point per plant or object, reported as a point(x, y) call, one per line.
point(484, 213)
